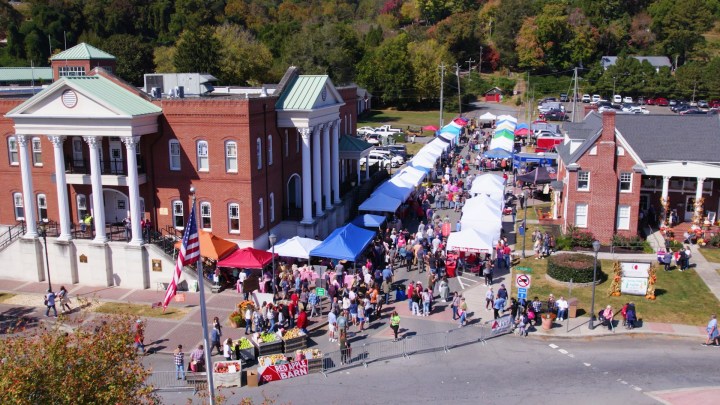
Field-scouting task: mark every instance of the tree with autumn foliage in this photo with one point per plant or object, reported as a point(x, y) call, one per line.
point(94, 364)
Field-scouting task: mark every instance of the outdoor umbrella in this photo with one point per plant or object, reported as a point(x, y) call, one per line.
point(211, 246)
point(430, 128)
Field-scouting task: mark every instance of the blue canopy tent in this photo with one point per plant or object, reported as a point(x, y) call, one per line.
point(498, 154)
point(380, 202)
point(346, 243)
point(369, 221)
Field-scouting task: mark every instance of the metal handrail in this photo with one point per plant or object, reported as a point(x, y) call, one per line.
point(13, 232)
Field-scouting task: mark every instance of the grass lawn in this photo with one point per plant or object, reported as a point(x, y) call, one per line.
point(5, 296)
point(404, 118)
point(140, 310)
point(711, 254)
point(681, 297)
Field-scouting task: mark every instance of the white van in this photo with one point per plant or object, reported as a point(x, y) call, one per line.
point(617, 99)
point(596, 98)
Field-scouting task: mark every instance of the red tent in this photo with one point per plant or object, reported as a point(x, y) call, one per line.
point(247, 258)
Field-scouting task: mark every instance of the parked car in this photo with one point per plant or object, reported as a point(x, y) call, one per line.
point(396, 159)
point(373, 139)
point(397, 149)
point(634, 109)
point(617, 99)
point(555, 115)
point(596, 98)
point(627, 99)
point(672, 102)
point(364, 131)
point(641, 100)
point(586, 98)
point(386, 161)
point(703, 104)
point(564, 98)
point(692, 111)
point(388, 128)
point(661, 101)
point(714, 103)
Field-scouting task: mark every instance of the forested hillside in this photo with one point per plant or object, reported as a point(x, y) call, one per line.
point(393, 47)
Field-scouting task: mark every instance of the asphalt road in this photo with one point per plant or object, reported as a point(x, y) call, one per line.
point(508, 370)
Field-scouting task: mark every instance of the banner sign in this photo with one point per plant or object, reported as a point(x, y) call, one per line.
point(634, 285)
point(283, 371)
point(632, 269)
point(500, 326)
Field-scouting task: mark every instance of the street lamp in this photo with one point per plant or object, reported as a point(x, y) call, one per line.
point(596, 249)
point(42, 229)
point(524, 223)
point(273, 239)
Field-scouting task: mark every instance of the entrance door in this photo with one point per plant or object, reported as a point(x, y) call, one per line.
point(689, 208)
point(116, 160)
point(116, 206)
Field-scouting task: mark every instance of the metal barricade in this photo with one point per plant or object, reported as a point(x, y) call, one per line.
point(465, 335)
point(168, 381)
point(384, 349)
point(341, 359)
point(424, 343)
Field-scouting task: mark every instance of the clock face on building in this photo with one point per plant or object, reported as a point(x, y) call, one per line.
point(323, 93)
point(69, 98)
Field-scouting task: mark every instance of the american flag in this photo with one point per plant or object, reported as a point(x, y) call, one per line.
point(189, 253)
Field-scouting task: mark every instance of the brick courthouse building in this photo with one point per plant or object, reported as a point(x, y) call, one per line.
point(261, 163)
point(617, 170)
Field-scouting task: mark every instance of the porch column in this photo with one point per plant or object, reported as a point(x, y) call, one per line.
point(306, 177)
point(357, 171)
point(698, 197)
point(94, 143)
point(316, 173)
point(367, 167)
point(336, 162)
point(61, 184)
point(131, 143)
point(327, 197)
point(664, 198)
point(27, 187)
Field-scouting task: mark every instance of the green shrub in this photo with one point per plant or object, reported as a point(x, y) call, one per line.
point(714, 241)
point(675, 244)
point(632, 242)
point(563, 242)
point(573, 266)
point(579, 238)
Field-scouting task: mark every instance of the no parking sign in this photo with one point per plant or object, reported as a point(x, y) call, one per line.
point(522, 280)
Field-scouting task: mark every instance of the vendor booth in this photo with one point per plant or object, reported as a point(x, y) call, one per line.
point(248, 258)
point(525, 159)
point(345, 243)
point(211, 246)
point(296, 247)
point(368, 221)
point(469, 247)
point(541, 175)
point(379, 202)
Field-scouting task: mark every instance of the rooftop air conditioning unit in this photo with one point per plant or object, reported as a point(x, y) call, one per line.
point(156, 92)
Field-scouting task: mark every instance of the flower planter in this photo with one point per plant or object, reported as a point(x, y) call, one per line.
point(547, 321)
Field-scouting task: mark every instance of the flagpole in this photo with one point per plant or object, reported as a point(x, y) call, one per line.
point(203, 316)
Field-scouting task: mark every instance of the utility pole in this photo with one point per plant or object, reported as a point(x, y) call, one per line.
point(574, 93)
point(470, 62)
point(442, 82)
point(457, 73)
point(527, 92)
point(480, 61)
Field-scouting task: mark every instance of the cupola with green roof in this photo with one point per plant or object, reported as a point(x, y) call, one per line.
point(80, 60)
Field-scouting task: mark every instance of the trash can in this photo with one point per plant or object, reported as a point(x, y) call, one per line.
point(572, 307)
point(194, 286)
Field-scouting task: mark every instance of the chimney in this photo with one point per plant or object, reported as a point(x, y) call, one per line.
point(588, 108)
point(608, 127)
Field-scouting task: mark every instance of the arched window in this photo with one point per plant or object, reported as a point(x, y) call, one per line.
point(203, 159)
point(81, 206)
point(271, 207)
point(174, 148)
point(205, 216)
point(231, 158)
point(270, 150)
point(13, 154)
point(19, 206)
point(261, 213)
point(37, 151)
point(259, 153)
point(178, 215)
point(42, 207)
point(234, 217)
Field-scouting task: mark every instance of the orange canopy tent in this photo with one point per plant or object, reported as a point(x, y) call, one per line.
point(213, 247)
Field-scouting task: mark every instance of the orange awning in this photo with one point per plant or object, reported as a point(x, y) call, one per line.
point(213, 247)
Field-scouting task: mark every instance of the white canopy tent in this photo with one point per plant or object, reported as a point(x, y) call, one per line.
point(411, 175)
point(480, 210)
point(395, 189)
point(439, 143)
point(488, 116)
point(510, 126)
point(296, 247)
point(448, 135)
point(423, 160)
point(487, 224)
point(507, 117)
point(380, 202)
point(482, 200)
point(486, 183)
point(435, 148)
point(472, 240)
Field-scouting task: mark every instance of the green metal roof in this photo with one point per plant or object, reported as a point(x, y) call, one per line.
point(351, 144)
point(102, 90)
point(82, 51)
point(25, 74)
point(302, 93)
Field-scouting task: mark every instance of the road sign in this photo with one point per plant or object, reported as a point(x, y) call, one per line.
point(522, 268)
point(522, 293)
point(320, 292)
point(522, 280)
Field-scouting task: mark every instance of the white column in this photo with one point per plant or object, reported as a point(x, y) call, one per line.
point(367, 167)
point(335, 161)
point(316, 175)
point(327, 197)
point(664, 200)
point(306, 177)
point(357, 169)
point(61, 184)
point(95, 142)
point(131, 143)
point(698, 196)
point(27, 187)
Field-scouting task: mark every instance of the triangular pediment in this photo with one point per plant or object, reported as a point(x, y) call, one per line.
point(65, 101)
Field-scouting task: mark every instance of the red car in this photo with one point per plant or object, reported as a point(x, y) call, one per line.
point(650, 101)
point(714, 103)
point(661, 101)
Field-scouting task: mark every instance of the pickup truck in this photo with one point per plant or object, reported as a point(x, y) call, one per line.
point(546, 142)
point(387, 129)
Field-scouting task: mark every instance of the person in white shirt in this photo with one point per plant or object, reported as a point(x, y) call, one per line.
point(562, 307)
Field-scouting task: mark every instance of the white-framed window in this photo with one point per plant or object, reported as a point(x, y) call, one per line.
point(625, 182)
point(261, 213)
point(203, 160)
point(270, 150)
point(234, 217)
point(82, 209)
point(593, 150)
point(71, 71)
point(37, 151)
point(287, 143)
point(19, 206)
point(205, 216)
point(178, 216)
point(620, 151)
point(42, 207)
point(77, 148)
point(174, 150)
point(13, 154)
point(623, 217)
point(583, 181)
point(271, 207)
point(581, 215)
point(259, 153)
point(231, 157)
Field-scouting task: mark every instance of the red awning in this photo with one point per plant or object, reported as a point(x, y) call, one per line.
point(247, 258)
